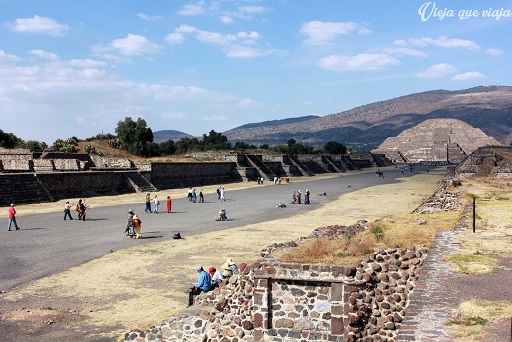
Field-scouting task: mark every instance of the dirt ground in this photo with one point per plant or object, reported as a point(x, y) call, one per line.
point(141, 286)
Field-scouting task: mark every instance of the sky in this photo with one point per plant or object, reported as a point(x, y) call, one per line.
point(77, 68)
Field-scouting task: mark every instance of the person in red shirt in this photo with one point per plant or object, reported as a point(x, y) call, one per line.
point(12, 217)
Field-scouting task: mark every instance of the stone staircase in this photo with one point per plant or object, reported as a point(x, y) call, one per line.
point(455, 153)
point(22, 188)
point(260, 166)
point(301, 166)
point(140, 183)
point(331, 164)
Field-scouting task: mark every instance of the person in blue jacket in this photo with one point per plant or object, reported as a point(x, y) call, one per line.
point(204, 284)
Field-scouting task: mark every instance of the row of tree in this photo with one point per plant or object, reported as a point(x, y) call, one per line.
point(137, 138)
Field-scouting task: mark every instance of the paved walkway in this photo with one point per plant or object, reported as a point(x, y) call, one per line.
point(432, 298)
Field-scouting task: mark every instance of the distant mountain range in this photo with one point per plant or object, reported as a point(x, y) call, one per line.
point(161, 136)
point(366, 127)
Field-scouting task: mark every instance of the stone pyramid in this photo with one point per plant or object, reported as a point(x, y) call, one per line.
point(435, 140)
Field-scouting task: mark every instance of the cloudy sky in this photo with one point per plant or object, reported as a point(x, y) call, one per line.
point(76, 68)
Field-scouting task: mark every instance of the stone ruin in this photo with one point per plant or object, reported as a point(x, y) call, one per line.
point(275, 301)
point(435, 140)
point(30, 177)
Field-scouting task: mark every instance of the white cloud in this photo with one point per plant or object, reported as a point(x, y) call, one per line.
point(252, 9)
point(215, 37)
point(364, 61)
point(401, 51)
point(45, 55)
point(239, 51)
point(148, 17)
point(225, 19)
point(6, 58)
point(468, 76)
point(80, 91)
point(321, 33)
point(494, 52)
point(445, 42)
point(437, 71)
point(234, 45)
point(178, 36)
point(86, 63)
point(40, 25)
point(216, 118)
point(192, 10)
point(132, 45)
point(172, 115)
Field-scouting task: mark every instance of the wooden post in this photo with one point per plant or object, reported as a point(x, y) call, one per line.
point(474, 214)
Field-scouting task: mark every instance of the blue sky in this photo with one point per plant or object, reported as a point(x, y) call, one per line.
point(76, 68)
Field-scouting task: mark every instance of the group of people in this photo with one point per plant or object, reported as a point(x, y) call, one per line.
point(207, 281)
point(220, 194)
point(81, 209)
point(192, 195)
point(297, 197)
point(277, 181)
point(156, 203)
point(133, 226)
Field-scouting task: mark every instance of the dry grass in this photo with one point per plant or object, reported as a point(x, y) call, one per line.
point(468, 321)
point(493, 234)
point(402, 230)
point(472, 263)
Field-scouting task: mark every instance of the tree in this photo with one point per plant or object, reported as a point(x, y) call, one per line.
point(9, 140)
point(215, 141)
point(33, 145)
point(136, 137)
point(334, 147)
point(166, 147)
point(265, 146)
point(186, 145)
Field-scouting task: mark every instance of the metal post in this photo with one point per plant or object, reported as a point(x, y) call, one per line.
point(474, 214)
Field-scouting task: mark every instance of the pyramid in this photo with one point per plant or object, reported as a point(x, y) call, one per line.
point(435, 140)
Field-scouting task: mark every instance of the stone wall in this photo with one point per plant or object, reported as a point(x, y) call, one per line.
point(274, 301)
point(44, 165)
point(170, 175)
point(111, 163)
point(84, 184)
point(487, 161)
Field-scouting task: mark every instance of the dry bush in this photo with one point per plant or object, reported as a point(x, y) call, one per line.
point(404, 231)
point(318, 250)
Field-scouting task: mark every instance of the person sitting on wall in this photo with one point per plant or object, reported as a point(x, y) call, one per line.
point(231, 264)
point(227, 271)
point(215, 275)
point(204, 284)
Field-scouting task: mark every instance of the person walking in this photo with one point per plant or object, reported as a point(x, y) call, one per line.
point(299, 197)
point(201, 196)
point(129, 230)
point(168, 202)
point(156, 202)
point(222, 198)
point(306, 197)
point(67, 210)
point(12, 218)
point(148, 203)
point(137, 224)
